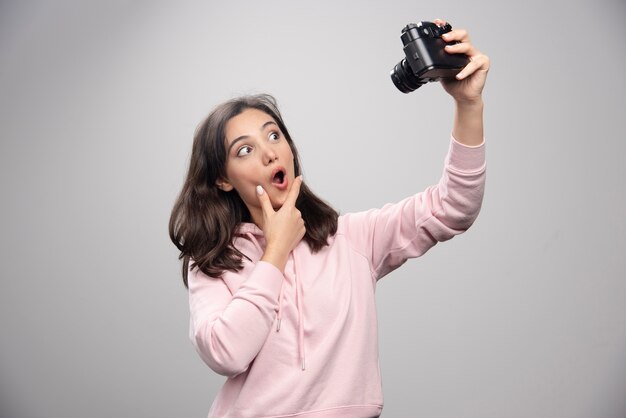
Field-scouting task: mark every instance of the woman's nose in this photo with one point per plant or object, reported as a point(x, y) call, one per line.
point(269, 155)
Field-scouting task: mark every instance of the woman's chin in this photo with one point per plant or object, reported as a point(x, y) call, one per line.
point(277, 201)
point(277, 206)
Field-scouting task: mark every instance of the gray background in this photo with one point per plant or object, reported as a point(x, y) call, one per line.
point(523, 316)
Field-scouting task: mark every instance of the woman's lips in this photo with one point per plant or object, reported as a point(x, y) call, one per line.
point(279, 179)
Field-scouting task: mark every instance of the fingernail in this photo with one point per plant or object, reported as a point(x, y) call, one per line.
point(259, 190)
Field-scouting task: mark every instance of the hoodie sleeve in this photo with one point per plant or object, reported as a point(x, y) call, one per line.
point(396, 232)
point(229, 329)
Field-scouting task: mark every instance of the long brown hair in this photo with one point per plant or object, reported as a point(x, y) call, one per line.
point(204, 218)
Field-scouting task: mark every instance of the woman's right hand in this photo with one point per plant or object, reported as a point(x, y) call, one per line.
point(283, 228)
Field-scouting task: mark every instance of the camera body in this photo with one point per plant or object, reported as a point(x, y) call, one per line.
point(426, 59)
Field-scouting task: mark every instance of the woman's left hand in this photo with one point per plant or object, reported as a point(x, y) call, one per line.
point(469, 83)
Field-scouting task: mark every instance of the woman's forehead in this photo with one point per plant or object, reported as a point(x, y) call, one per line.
point(250, 122)
point(250, 118)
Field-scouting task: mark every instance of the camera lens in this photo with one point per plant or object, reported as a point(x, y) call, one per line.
point(403, 78)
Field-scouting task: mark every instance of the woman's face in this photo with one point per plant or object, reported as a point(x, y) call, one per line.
point(257, 153)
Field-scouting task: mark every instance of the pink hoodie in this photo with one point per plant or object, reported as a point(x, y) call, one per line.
point(304, 343)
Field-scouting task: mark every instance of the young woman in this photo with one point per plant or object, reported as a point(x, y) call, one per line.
point(281, 288)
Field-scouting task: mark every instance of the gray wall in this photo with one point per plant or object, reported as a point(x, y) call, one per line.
point(523, 316)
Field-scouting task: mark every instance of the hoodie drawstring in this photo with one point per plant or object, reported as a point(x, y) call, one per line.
point(249, 231)
point(300, 312)
point(280, 306)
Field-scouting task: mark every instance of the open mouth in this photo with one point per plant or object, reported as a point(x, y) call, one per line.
point(279, 177)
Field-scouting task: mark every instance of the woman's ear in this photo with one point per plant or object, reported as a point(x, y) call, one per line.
point(223, 185)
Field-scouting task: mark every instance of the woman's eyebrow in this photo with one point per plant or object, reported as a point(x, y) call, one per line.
point(239, 138)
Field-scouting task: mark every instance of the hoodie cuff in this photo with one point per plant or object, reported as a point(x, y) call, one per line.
point(268, 276)
point(465, 157)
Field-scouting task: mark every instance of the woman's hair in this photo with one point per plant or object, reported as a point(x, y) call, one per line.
point(205, 218)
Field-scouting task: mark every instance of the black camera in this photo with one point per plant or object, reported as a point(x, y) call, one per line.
point(426, 59)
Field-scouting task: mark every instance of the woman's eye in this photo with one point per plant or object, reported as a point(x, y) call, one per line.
point(243, 151)
point(274, 136)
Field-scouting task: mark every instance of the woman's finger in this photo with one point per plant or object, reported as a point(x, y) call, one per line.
point(478, 62)
point(462, 48)
point(264, 200)
point(460, 35)
point(294, 191)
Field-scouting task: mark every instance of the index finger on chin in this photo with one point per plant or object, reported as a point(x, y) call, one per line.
point(264, 200)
